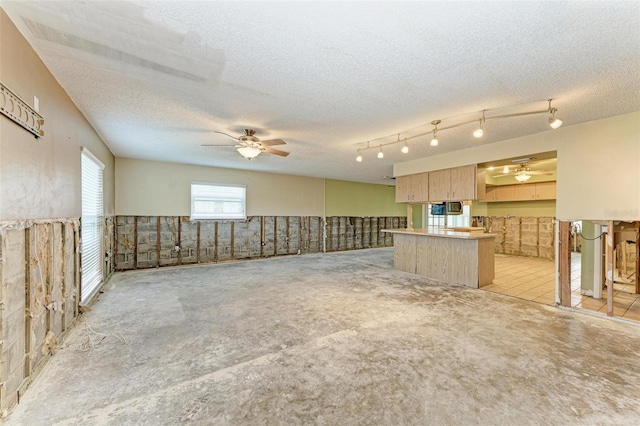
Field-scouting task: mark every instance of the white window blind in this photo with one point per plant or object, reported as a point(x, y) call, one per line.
point(91, 221)
point(215, 201)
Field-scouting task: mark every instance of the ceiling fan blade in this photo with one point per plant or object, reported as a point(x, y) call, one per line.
point(226, 134)
point(503, 175)
point(539, 172)
point(275, 151)
point(272, 142)
point(217, 146)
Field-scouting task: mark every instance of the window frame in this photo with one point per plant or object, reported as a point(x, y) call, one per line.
point(223, 216)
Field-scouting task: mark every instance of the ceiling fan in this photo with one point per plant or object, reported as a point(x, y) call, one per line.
point(250, 146)
point(522, 173)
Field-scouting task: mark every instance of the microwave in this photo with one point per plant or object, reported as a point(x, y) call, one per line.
point(453, 207)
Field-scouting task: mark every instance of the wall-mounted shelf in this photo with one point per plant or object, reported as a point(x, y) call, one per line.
point(13, 107)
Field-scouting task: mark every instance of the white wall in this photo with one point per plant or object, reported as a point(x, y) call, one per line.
point(598, 166)
point(40, 179)
point(150, 188)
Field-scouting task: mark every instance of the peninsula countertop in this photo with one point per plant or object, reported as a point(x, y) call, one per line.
point(441, 232)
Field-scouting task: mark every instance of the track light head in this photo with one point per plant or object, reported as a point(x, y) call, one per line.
point(359, 157)
point(380, 153)
point(434, 140)
point(477, 133)
point(553, 121)
point(405, 148)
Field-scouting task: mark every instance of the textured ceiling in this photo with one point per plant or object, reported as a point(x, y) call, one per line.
point(157, 78)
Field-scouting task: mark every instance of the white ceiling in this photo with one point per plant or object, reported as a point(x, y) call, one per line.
point(157, 78)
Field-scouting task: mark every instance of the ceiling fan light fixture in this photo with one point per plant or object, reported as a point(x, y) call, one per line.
point(523, 176)
point(249, 152)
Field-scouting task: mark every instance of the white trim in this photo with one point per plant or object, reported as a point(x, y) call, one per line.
point(95, 159)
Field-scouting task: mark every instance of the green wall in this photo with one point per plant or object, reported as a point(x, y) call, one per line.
point(542, 208)
point(345, 198)
point(417, 215)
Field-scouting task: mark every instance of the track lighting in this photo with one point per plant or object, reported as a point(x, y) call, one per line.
point(477, 133)
point(405, 148)
point(554, 122)
point(434, 140)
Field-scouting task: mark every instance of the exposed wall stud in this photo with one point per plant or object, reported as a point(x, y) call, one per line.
point(215, 242)
point(135, 242)
point(158, 238)
point(232, 239)
point(198, 242)
point(609, 257)
point(564, 254)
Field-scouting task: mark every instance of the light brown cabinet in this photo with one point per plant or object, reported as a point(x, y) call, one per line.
point(463, 183)
point(546, 191)
point(491, 194)
point(455, 184)
point(521, 192)
point(439, 185)
point(412, 188)
point(524, 192)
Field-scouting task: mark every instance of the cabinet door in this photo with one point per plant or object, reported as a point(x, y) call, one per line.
point(491, 194)
point(463, 183)
point(546, 191)
point(525, 192)
point(505, 193)
point(403, 188)
point(420, 187)
point(439, 185)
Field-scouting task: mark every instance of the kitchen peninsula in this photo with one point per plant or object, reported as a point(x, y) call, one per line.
point(445, 255)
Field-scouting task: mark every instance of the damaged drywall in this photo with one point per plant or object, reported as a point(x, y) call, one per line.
point(39, 295)
point(154, 241)
point(521, 236)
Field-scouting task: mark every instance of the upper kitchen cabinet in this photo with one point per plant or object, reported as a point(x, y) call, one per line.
point(412, 188)
point(455, 184)
point(440, 185)
point(463, 183)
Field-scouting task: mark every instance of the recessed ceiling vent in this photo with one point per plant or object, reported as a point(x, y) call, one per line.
point(523, 160)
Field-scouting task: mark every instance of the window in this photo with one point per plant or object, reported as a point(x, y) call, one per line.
point(91, 221)
point(450, 221)
point(215, 201)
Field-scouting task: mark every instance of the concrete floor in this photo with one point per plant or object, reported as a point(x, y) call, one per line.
point(339, 338)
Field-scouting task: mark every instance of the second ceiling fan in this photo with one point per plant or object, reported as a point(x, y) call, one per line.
point(250, 146)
